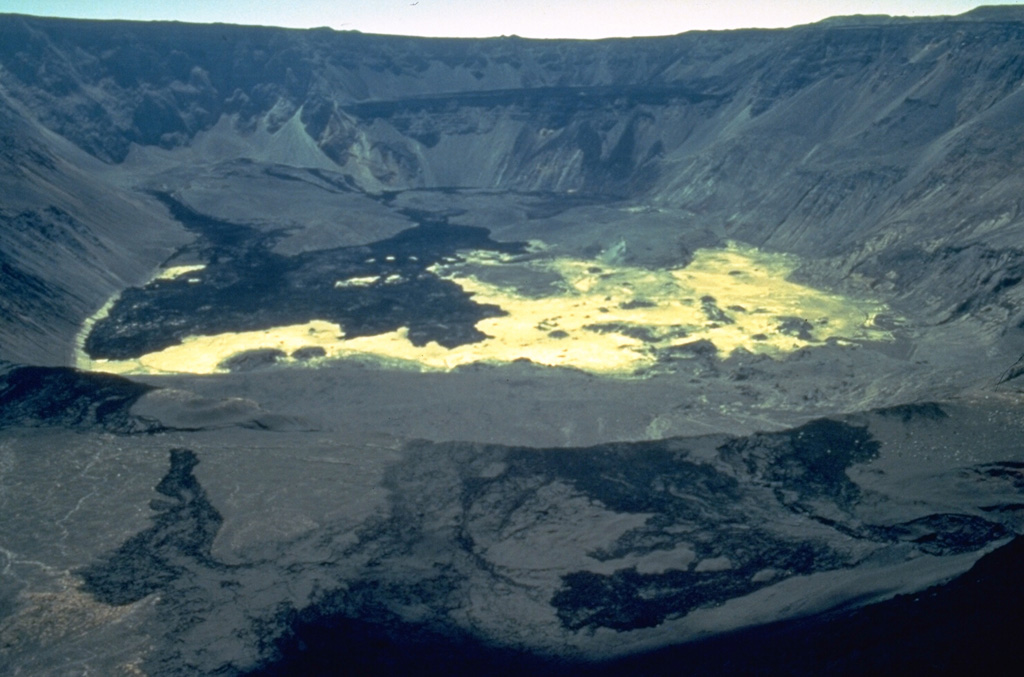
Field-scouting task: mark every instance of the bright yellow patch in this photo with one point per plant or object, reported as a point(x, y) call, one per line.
point(602, 318)
point(203, 354)
point(177, 271)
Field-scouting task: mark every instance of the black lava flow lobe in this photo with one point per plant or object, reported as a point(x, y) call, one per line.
point(245, 286)
point(181, 536)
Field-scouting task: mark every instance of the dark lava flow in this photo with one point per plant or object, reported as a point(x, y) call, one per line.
point(247, 287)
point(183, 530)
point(354, 629)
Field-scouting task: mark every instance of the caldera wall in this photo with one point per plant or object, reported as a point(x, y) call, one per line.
point(887, 148)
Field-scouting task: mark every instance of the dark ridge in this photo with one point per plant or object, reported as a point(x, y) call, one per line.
point(65, 397)
point(1016, 370)
point(698, 348)
point(309, 353)
point(251, 360)
point(1002, 507)
point(182, 534)
point(561, 101)
point(1010, 13)
point(929, 411)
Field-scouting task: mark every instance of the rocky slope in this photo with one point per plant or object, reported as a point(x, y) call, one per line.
point(68, 240)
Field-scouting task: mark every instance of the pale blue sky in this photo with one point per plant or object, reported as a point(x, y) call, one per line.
point(480, 18)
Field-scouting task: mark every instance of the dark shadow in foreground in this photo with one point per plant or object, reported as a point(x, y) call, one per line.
point(971, 625)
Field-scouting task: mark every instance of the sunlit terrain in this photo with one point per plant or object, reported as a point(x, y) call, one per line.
point(586, 314)
point(177, 271)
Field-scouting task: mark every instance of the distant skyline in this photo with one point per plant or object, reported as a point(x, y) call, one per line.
point(485, 18)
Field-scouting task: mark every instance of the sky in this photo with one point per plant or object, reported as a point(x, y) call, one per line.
point(485, 18)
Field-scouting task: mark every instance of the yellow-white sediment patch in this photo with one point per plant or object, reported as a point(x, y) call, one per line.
point(597, 317)
point(592, 321)
point(82, 360)
point(356, 282)
point(203, 354)
point(175, 272)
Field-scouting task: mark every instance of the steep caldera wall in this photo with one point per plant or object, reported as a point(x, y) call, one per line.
point(888, 148)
